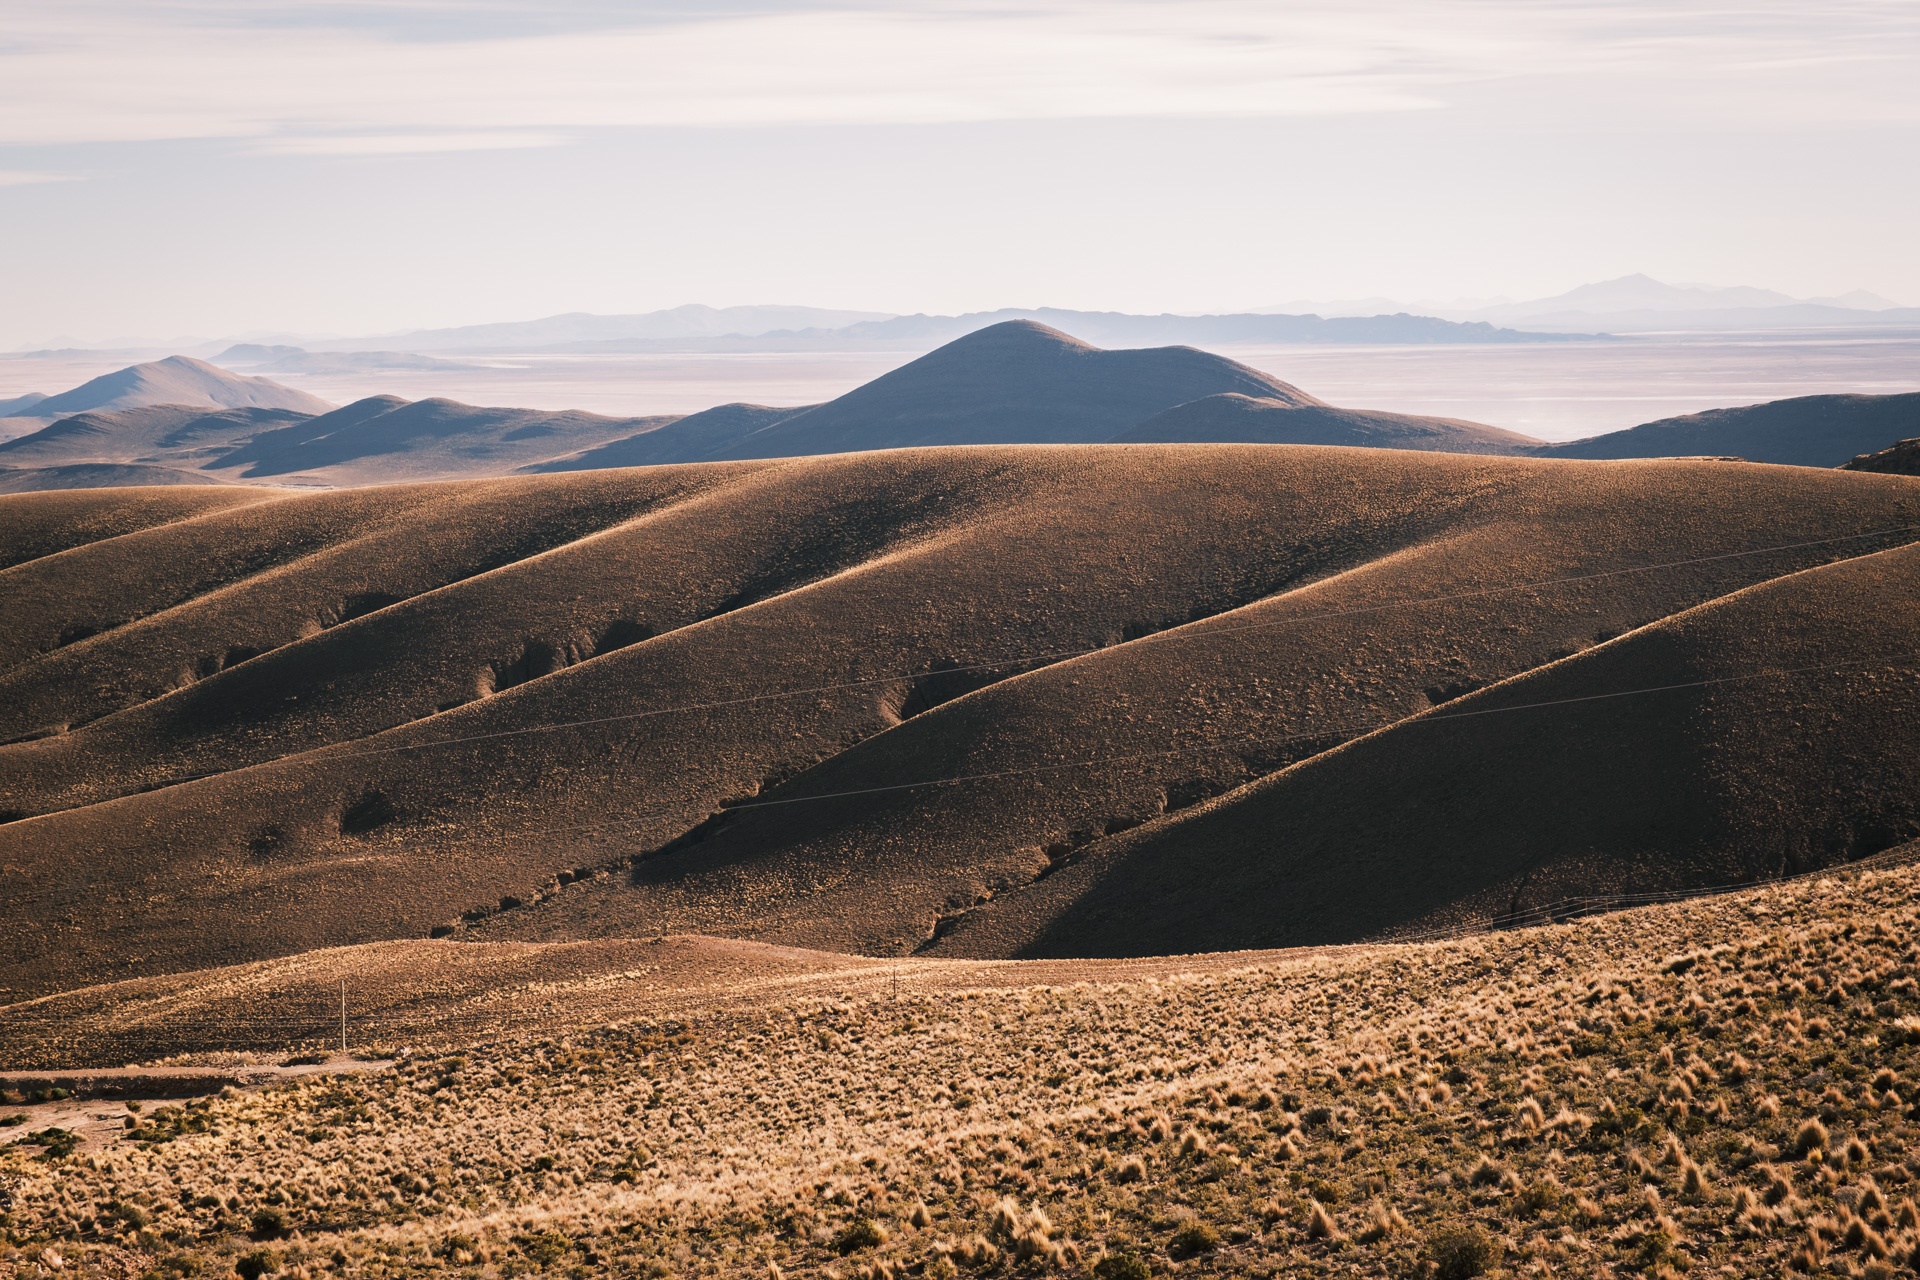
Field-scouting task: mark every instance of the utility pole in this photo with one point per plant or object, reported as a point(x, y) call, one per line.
point(343, 1017)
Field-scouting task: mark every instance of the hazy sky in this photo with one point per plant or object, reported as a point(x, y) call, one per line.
point(172, 167)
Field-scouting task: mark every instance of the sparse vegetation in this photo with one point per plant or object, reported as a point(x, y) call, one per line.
point(1721, 1084)
point(1460, 1251)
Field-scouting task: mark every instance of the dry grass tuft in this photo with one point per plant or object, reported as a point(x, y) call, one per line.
point(1232, 1113)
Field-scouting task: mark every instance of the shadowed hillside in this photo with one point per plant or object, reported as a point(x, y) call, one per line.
point(351, 716)
point(1231, 418)
point(1016, 382)
point(95, 475)
point(156, 438)
point(1902, 459)
point(707, 434)
point(378, 440)
point(1012, 383)
point(385, 438)
point(54, 522)
point(1807, 431)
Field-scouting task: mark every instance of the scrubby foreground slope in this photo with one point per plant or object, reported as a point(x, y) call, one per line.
point(1722, 1087)
point(740, 690)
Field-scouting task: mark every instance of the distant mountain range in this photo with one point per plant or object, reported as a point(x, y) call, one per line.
point(1641, 304)
point(678, 323)
point(284, 359)
point(828, 331)
point(1016, 382)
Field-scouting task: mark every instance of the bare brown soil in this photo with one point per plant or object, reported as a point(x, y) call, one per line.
point(347, 717)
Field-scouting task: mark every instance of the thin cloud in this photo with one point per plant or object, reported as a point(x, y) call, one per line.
point(396, 144)
point(34, 177)
point(308, 80)
point(124, 73)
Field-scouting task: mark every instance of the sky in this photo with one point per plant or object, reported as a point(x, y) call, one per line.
point(173, 168)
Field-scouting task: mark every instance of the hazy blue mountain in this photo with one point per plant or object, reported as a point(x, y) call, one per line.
point(1231, 418)
point(1806, 431)
point(693, 321)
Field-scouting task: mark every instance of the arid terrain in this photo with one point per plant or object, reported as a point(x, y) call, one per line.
point(994, 858)
point(991, 702)
point(1721, 1086)
point(1901, 459)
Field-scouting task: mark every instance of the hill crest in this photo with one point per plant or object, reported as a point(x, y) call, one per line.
point(180, 380)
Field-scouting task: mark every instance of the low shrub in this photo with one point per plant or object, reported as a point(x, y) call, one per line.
point(861, 1233)
point(1122, 1266)
point(1195, 1237)
point(259, 1262)
point(1461, 1251)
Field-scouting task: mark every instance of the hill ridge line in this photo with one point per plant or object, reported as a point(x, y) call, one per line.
point(324, 753)
point(1449, 710)
point(1357, 731)
point(1169, 634)
point(283, 495)
point(306, 559)
point(330, 752)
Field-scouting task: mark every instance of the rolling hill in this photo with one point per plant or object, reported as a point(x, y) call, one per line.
point(711, 433)
point(620, 1108)
point(1011, 383)
point(1019, 382)
point(176, 380)
point(382, 439)
point(966, 701)
point(95, 475)
point(1806, 431)
point(170, 435)
point(1014, 382)
point(378, 440)
point(1901, 459)
point(1232, 418)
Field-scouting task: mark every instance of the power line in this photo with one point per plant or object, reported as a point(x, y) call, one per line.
point(1185, 632)
point(1344, 731)
point(321, 755)
point(1559, 911)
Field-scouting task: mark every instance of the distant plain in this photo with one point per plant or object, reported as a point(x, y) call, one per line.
point(1555, 391)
